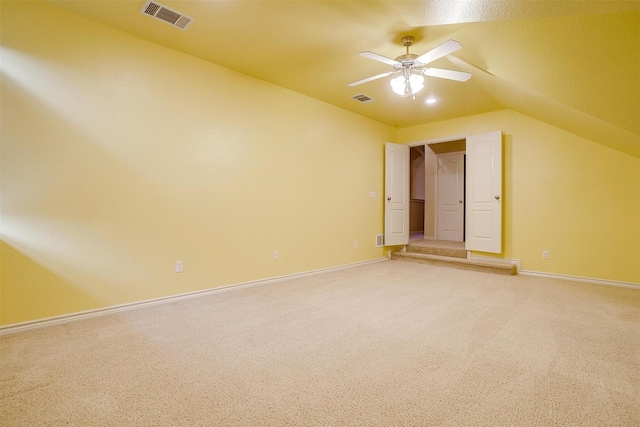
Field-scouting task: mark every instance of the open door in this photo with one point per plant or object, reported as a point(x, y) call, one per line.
point(484, 192)
point(396, 192)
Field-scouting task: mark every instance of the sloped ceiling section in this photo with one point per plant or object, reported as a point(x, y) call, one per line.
point(574, 64)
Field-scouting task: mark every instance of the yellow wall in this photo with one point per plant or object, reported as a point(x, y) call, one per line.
point(120, 157)
point(565, 194)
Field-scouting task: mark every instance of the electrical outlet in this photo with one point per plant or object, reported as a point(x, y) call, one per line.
point(178, 266)
point(372, 194)
point(275, 254)
point(545, 254)
point(356, 245)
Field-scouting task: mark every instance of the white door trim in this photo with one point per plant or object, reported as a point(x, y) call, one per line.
point(439, 140)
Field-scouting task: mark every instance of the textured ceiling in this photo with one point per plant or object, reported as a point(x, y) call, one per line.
point(575, 64)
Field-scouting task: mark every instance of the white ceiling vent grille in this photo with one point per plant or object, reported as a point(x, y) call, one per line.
point(362, 98)
point(166, 14)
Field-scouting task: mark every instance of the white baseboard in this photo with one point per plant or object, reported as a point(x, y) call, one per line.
point(581, 279)
point(72, 317)
point(518, 263)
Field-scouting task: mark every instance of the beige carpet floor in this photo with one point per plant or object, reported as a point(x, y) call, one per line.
point(383, 344)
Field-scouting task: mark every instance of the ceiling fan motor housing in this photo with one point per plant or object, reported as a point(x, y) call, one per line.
point(406, 61)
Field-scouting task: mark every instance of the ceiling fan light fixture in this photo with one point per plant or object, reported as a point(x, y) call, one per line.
point(407, 86)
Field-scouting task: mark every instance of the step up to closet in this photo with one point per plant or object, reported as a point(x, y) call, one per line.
point(451, 255)
point(451, 252)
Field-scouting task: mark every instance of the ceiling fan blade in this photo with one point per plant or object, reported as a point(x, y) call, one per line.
point(376, 57)
point(446, 74)
point(368, 79)
point(445, 48)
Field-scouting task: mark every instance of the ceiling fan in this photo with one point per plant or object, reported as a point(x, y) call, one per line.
point(412, 67)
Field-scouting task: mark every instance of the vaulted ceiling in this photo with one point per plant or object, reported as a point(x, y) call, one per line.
point(573, 64)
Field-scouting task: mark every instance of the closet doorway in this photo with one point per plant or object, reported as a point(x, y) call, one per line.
point(437, 191)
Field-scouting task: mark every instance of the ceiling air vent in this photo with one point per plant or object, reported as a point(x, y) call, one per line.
point(362, 98)
point(166, 14)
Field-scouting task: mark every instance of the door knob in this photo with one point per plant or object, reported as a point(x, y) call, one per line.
point(389, 198)
point(459, 201)
point(496, 197)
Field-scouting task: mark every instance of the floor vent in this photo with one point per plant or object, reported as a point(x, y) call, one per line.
point(166, 14)
point(362, 98)
point(379, 240)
